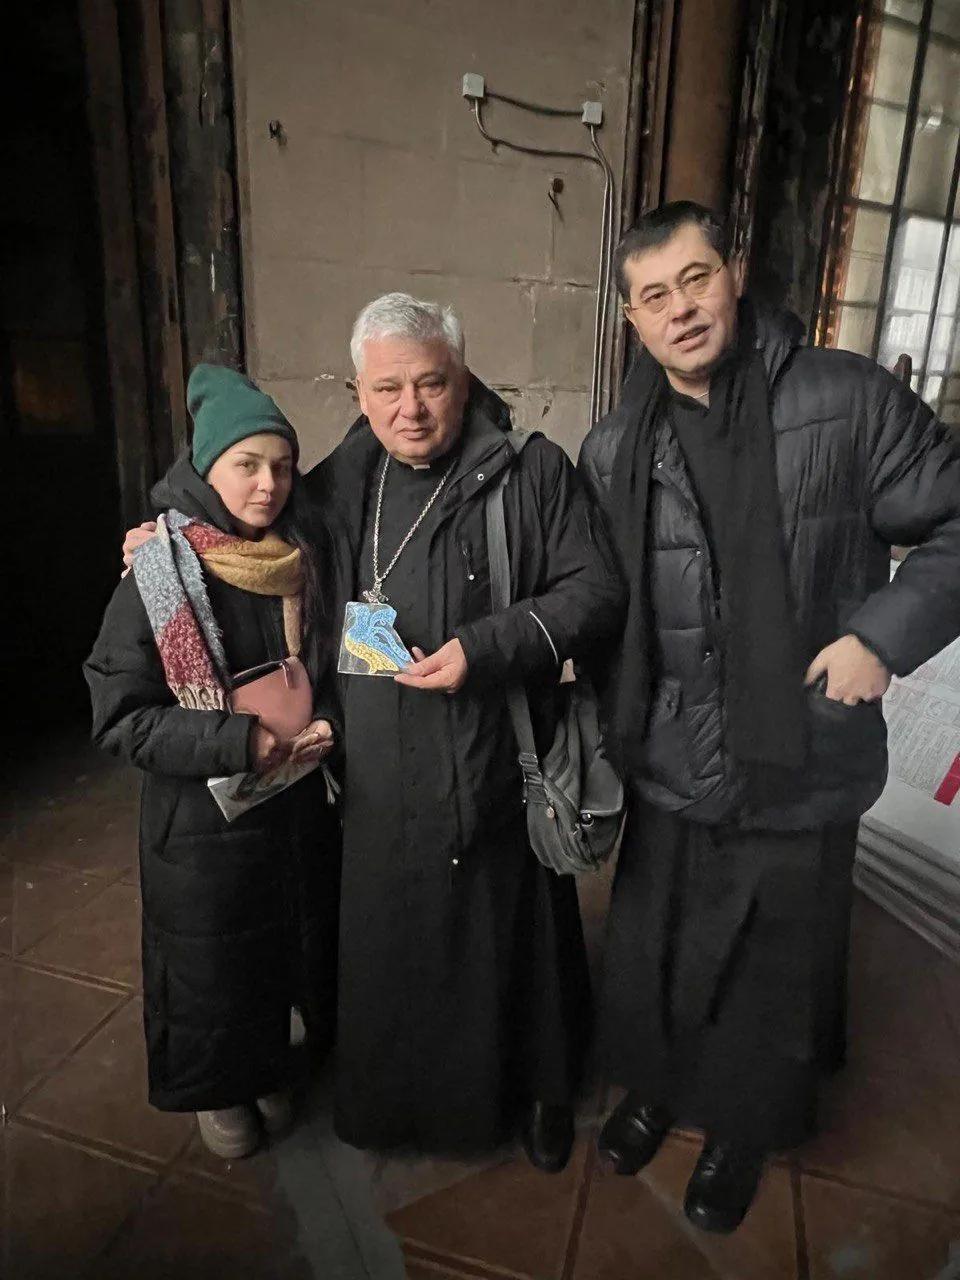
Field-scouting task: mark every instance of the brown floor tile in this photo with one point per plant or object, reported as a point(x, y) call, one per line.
point(72, 768)
point(421, 1269)
point(509, 1216)
point(4, 1219)
point(191, 1234)
point(64, 1204)
point(399, 1181)
point(6, 1006)
point(42, 898)
point(6, 908)
point(860, 1235)
point(250, 1180)
point(903, 1017)
point(948, 980)
point(87, 837)
point(102, 940)
point(893, 1127)
point(885, 947)
point(635, 1227)
point(48, 1016)
point(898, 1007)
point(100, 1094)
point(132, 876)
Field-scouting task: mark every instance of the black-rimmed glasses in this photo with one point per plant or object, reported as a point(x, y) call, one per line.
point(695, 286)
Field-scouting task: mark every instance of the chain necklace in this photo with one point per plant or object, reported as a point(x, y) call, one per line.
point(375, 595)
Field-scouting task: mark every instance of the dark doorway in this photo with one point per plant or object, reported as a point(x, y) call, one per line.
point(56, 419)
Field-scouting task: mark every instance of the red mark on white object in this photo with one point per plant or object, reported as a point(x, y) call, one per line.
point(950, 785)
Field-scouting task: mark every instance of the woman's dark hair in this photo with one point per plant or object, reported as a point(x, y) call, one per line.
point(301, 524)
point(655, 227)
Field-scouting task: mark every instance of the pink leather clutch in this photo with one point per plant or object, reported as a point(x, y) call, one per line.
point(281, 696)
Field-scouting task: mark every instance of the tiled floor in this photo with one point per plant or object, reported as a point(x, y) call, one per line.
point(95, 1183)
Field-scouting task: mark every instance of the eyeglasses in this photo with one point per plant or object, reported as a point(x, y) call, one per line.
point(695, 286)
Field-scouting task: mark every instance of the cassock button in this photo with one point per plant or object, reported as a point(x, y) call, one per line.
point(481, 476)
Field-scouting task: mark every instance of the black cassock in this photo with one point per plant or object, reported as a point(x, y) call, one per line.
point(463, 982)
point(724, 993)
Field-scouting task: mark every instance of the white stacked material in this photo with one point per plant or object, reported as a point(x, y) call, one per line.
point(908, 858)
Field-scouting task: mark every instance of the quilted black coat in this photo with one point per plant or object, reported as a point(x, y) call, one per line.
point(239, 919)
point(862, 463)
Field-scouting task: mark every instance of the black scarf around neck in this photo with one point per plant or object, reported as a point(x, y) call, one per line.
point(729, 449)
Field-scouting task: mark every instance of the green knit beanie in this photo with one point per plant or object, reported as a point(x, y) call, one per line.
point(226, 407)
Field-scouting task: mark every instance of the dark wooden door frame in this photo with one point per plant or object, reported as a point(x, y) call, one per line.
point(759, 56)
point(126, 355)
point(197, 73)
point(141, 40)
point(645, 141)
point(161, 123)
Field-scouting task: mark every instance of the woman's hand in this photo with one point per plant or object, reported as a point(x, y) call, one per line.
point(267, 750)
point(136, 538)
point(312, 743)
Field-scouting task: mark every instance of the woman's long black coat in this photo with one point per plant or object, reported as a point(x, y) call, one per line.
point(239, 919)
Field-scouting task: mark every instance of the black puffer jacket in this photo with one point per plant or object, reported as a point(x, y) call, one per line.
point(239, 919)
point(862, 464)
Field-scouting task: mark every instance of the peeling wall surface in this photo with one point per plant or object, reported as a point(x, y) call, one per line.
point(377, 179)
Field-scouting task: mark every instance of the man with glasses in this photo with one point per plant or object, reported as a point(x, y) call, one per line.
point(754, 487)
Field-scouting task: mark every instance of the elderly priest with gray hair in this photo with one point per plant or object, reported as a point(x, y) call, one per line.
point(464, 999)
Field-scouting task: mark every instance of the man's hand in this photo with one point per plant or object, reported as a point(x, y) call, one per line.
point(267, 750)
point(444, 670)
point(136, 538)
point(854, 674)
point(312, 743)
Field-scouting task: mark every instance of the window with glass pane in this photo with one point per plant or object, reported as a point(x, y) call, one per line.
point(892, 278)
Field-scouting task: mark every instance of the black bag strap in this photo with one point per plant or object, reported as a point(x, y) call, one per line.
point(499, 559)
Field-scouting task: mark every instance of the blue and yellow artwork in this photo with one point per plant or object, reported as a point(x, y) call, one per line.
point(369, 645)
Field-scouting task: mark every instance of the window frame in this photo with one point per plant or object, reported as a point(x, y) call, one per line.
point(872, 20)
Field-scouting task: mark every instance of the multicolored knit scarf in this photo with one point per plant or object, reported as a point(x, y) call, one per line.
point(169, 578)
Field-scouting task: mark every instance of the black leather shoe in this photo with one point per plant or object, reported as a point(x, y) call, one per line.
point(547, 1136)
point(633, 1134)
point(722, 1186)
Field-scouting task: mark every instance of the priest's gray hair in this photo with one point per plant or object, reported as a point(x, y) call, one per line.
point(398, 315)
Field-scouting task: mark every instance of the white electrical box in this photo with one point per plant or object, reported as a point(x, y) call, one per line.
point(474, 86)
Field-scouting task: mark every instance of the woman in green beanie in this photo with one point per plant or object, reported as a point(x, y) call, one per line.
point(239, 916)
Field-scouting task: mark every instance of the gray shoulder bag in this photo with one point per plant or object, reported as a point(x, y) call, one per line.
point(574, 797)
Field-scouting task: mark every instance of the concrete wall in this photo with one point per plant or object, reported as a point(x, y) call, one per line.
point(382, 182)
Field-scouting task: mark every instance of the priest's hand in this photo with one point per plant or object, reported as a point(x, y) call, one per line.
point(312, 743)
point(444, 671)
point(136, 538)
point(854, 674)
